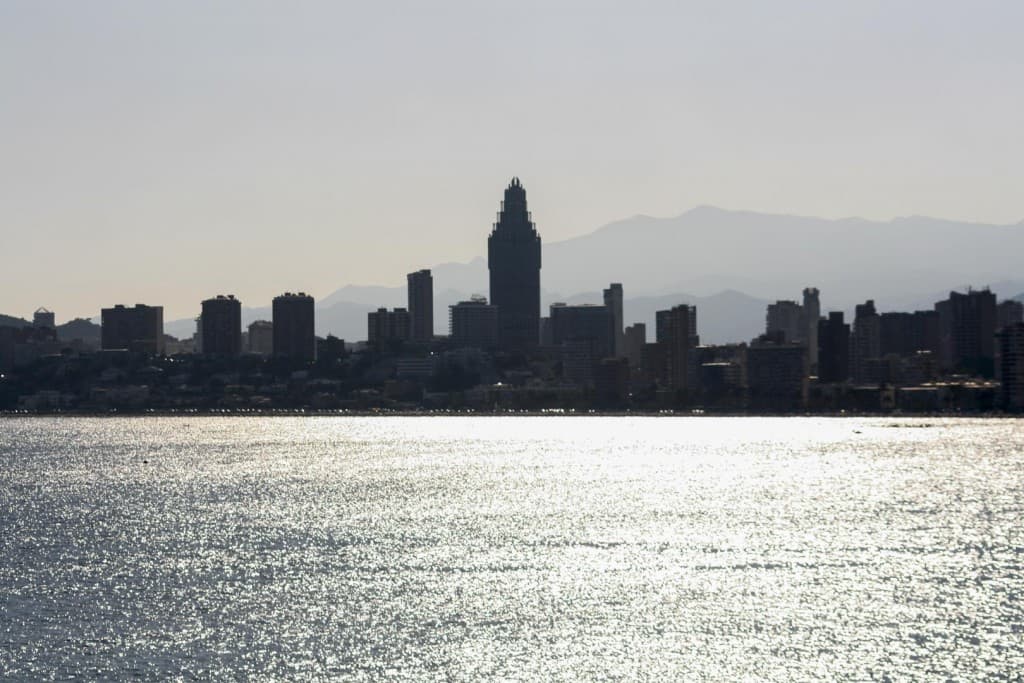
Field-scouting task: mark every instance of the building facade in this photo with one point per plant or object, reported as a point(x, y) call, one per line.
point(865, 342)
point(294, 326)
point(585, 322)
point(221, 322)
point(613, 302)
point(473, 324)
point(677, 337)
point(786, 317)
point(44, 318)
point(833, 348)
point(777, 375)
point(420, 286)
point(811, 315)
point(1009, 312)
point(140, 328)
point(384, 326)
point(1010, 370)
point(513, 260)
point(635, 336)
point(261, 338)
point(967, 327)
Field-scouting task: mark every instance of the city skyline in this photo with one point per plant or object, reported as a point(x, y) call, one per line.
point(131, 132)
point(1008, 282)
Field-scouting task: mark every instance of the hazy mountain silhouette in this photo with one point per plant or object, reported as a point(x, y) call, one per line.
point(707, 256)
point(79, 328)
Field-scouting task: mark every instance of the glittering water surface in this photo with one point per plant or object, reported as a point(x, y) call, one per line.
point(513, 548)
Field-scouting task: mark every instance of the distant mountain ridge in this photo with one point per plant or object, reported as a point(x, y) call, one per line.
point(729, 263)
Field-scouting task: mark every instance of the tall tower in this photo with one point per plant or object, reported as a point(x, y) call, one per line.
point(613, 301)
point(513, 259)
point(421, 305)
point(812, 313)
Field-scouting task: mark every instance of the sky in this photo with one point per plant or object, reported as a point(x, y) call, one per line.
point(165, 152)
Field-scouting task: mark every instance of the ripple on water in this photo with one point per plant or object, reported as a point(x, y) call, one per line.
point(523, 548)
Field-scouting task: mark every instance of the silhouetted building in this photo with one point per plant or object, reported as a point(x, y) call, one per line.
point(905, 334)
point(777, 374)
point(261, 337)
point(662, 323)
point(1010, 340)
point(473, 324)
point(578, 361)
point(611, 382)
point(833, 348)
point(294, 326)
point(8, 340)
point(584, 335)
point(721, 374)
point(513, 259)
point(1009, 312)
point(677, 336)
point(866, 340)
point(136, 329)
point(811, 315)
point(44, 318)
point(967, 327)
point(634, 338)
point(421, 305)
point(583, 322)
point(384, 326)
point(221, 322)
point(545, 331)
point(786, 317)
point(330, 350)
point(613, 302)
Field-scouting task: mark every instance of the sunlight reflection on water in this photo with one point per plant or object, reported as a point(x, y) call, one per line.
point(522, 548)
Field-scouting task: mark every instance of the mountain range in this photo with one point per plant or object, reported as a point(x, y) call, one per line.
point(730, 264)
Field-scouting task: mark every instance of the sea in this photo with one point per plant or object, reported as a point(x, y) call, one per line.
point(511, 548)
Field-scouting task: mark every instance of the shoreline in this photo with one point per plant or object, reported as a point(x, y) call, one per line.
point(567, 413)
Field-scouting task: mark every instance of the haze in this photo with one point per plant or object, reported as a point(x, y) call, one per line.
point(163, 153)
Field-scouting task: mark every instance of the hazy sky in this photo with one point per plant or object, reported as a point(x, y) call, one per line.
point(165, 152)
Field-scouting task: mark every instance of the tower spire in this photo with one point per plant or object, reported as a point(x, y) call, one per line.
point(513, 259)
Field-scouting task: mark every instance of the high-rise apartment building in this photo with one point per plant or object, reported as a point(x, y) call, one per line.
point(635, 337)
point(777, 374)
point(513, 259)
point(473, 324)
point(1010, 369)
point(904, 334)
point(421, 305)
point(613, 302)
point(662, 324)
point(140, 328)
point(261, 337)
point(811, 315)
point(221, 321)
point(294, 326)
point(384, 326)
point(1008, 313)
point(678, 338)
point(786, 317)
point(866, 340)
point(585, 322)
point(833, 348)
point(967, 327)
